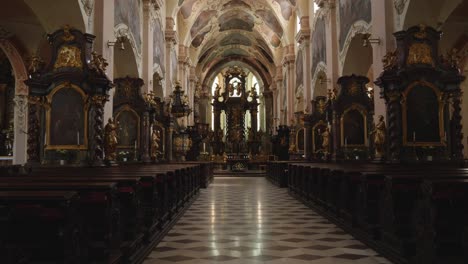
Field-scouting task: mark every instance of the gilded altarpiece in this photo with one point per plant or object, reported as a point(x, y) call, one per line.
point(422, 93)
point(66, 102)
point(318, 135)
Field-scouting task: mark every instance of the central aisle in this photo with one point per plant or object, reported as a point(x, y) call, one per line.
point(249, 220)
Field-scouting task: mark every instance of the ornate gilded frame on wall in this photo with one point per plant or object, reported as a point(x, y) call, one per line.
point(320, 123)
point(363, 112)
point(130, 109)
point(441, 102)
point(297, 139)
point(48, 107)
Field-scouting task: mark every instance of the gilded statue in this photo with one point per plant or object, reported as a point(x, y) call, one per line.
point(379, 134)
point(155, 143)
point(390, 60)
point(110, 143)
point(326, 140)
point(35, 65)
point(98, 63)
point(217, 92)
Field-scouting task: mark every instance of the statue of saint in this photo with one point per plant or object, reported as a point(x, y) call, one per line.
point(326, 140)
point(110, 142)
point(155, 143)
point(379, 137)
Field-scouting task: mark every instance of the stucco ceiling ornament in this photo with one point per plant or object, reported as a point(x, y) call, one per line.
point(399, 5)
point(88, 6)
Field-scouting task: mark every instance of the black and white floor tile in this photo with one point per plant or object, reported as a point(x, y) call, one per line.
point(250, 221)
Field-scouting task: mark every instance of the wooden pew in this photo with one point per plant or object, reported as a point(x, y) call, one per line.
point(41, 226)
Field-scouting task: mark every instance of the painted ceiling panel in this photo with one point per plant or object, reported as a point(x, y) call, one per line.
point(237, 3)
point(236, 20)
point(202, 21)
point(236, 39)
point(270, 20)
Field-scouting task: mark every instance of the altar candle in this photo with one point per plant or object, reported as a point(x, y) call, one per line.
point(346, 142)
point(135, 144)
point(414, 136)
point(45, 139)
point(78, 137)
point(445, 136)
point(204, 147)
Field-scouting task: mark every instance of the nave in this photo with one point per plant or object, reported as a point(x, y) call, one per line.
point(250, 221)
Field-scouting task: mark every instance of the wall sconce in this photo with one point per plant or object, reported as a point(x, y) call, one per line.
point(367, 40)
point(119, 40)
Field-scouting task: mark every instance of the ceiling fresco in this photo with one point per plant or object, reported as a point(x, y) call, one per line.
point(217, 29)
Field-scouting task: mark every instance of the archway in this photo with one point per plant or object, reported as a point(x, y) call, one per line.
point(358, 58)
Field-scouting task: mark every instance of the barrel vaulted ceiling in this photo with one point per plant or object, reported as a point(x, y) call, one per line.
point(227, 30)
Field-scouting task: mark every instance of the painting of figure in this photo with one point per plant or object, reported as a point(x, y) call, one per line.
point(128, 123)
point(158, 46)
point(67, 120)
point(174, 66)
point(353, 126)
point(350, 12)
point(319, 47)
point(128, 12)
point(422, 115)
point(299, 69)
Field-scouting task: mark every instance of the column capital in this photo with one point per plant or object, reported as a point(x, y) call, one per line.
point(171, 37)
point(328, 4)
point(303, 36)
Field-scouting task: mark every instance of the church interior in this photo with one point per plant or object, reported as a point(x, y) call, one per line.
point(234, 131)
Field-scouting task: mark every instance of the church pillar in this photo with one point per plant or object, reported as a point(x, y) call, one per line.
point(149, 19)
point(381, 13)
point(171, 42)
point(279, 93)
point(268, 101)
point(104, 31)
point(331, 43)
point(303, 38)
point(288, 64)
point(191, 94)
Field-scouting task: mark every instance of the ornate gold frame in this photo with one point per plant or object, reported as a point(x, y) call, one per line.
point(313, 133)
point(297, 139)
point(363, 112)
point(48, 107)
point(117, 114)
point(441, 101)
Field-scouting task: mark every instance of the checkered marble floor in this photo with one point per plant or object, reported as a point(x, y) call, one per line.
point(250, 221)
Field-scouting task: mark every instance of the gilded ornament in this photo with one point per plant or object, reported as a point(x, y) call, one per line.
point(390, 60)
point(321, 106)
point(353, 88)
point(98, 63)
point(35, 65)
point(421, 34)
point(67, 35)
point(155, 143)
point(326, 140)
point(68, 56)
point(453, 59)
point(420, 53)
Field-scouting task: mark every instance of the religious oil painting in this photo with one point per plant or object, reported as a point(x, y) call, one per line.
point(352, 11)
point(353, 128)
point(319, 47)
point(299, 69)
point(128, 128)
point(67, 119)
point(128, 12)
point(158, 46)
point(422, 115)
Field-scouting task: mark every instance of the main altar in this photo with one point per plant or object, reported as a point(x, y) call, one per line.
point(235, 142)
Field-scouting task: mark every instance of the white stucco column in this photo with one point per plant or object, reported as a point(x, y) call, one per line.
point(104, 31)
point(147, 60)
point(332, 44)
point(171, 42)
point(290, 67)
point(303, 38)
